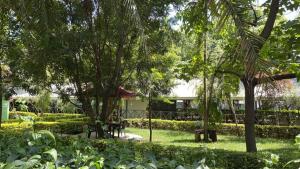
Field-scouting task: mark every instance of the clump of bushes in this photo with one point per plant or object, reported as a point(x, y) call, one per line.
point(42, 149)
point(282, 132)
point(59, 123)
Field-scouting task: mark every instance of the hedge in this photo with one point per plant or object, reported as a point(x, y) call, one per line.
point(272, 111)
point(59, 123)
point(19, 113)
point(16, 125)
point(270, 131)
point(62, 127)
point(215, 158)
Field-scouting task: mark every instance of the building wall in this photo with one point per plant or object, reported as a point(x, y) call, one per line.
point(137, 108)
point(136, 105)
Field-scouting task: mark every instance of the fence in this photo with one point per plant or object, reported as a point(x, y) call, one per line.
point(166, 115)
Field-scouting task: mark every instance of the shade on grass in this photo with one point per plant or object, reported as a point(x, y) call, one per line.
point(225, 142)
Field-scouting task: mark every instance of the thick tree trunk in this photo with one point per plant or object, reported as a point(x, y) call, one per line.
point(249, 116)
point(105, 107)
point(87, 108)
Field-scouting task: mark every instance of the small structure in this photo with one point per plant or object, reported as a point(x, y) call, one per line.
point(116, 120)
point(5, 110)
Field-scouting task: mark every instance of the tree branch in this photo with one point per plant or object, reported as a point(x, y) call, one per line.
point(274, 78)
point(271, 19)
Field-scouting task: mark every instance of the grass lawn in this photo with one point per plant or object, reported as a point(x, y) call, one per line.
point(225, 142)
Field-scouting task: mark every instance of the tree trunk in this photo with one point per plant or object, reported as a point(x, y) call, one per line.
point(249, 116)
point(105, 107)
point(97, 105)
point(150, 117)
point(204, 79)
point(1, 95)
point(232, 109)
point(205, 110)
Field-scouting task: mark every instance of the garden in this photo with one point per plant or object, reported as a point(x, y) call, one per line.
point(173, 84)
point(60, 141)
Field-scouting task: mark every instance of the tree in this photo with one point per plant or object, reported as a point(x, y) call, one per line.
point(208, 56)
point(156, 76)
point(245, 54)
point(249, 61)
point(91, 45)
point(5, 43)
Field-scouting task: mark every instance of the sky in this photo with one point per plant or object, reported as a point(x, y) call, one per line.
point(290, 15)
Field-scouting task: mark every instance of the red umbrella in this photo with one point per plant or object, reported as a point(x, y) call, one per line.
point(125, 93)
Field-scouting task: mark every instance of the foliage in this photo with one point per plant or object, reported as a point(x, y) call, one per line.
point(43, 101)
point(43, 150)
point(58, 123)
point(21, 105)
point(67, 107)
point(20, 113)
point(40, 149)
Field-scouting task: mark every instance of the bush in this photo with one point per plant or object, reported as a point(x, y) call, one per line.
point(270, 112)
point(16, 125)
point(59, 123)
point(282, 132)
point(61, 117)
point(45, 116)
point(70, 152)
point(63, 127)
point(20, 113)
point(268, 117)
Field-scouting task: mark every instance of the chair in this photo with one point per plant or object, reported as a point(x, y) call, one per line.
point(123, 125)
point(91, 128)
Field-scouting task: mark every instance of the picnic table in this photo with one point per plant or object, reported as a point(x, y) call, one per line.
point(109, 128)
point(112, 126)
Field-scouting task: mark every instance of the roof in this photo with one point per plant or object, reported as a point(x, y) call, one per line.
point(185, 89)
point(188, 90)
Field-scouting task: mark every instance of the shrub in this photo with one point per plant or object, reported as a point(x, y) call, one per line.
point(20, 113)
point(61, 117)
point(46, 116)
point(16, 125)
point(43, 101)
point(69, 152)
point(63, 127)
point(59, 123)
point(284, 132)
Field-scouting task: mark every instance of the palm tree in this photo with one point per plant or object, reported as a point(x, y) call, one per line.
point(255, 69)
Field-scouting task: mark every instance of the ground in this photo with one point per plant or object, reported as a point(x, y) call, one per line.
point(229, 143)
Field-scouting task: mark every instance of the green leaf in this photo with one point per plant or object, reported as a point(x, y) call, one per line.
point(52, 153)
point(293, 161)
point(48, 134)
point(14, 165)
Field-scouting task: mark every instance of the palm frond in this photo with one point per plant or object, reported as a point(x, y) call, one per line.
point(249, 42)
point(133, 14)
